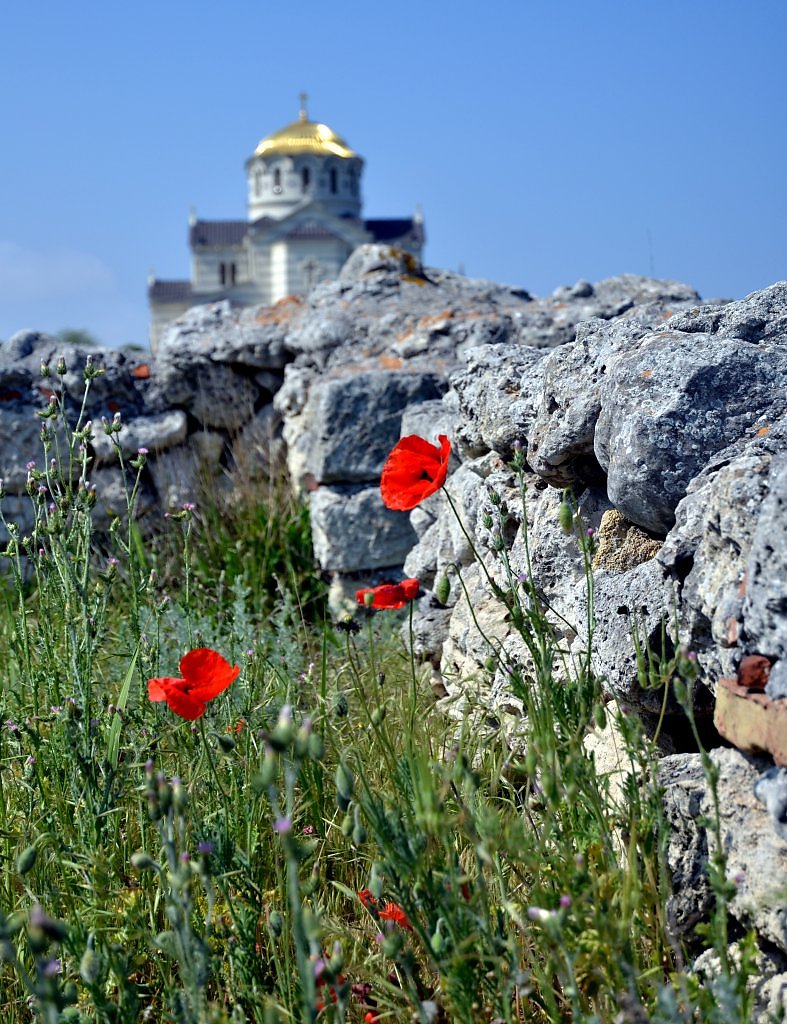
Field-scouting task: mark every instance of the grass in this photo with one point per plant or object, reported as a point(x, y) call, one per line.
point(153, 869)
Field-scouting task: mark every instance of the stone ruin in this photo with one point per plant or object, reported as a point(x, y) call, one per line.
point(666, 417)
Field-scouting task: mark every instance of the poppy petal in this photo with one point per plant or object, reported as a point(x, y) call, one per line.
point(157, 688)
point(414, 470)
point(183, 704)
point(206, 673)
point(389, 595)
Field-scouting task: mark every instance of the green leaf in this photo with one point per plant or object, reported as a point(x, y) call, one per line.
point(113, 745)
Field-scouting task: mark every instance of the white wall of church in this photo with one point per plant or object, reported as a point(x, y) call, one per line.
point(216, 269)
point(278, 184)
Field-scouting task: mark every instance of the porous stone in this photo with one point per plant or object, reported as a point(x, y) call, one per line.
point(352, 530)
point(621, 545)
point(635, 607)
point(765, 603)
point(353, 422)
point(671, 404)
point(155, 433)
point(498, 392)
point(20, 425)
point(756, 857)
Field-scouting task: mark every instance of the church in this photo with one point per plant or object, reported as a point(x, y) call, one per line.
point(304, 220)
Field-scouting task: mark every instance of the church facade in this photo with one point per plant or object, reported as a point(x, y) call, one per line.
point(304, 220)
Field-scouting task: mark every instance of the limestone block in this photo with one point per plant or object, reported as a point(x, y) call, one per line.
point(353, 530)
point(156, 433)
point(756, 857)
point(353, 421)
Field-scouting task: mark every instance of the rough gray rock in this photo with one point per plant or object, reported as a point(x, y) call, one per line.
point(353, 422)
point(653, 406)
point(352, 530)
point(156, 433)
point(756, 857)
point(771, 790)
point(671, 404)
point(248, 338)
point(560, 444)
point(765, 603)
point(498, 392)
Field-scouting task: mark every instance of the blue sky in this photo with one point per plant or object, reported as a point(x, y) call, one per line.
point(545, 141)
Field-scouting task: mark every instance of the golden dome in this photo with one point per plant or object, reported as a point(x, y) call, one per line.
point(304, 136)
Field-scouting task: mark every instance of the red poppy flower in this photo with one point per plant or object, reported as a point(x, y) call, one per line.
point(393, 912)
point(205, 675)
point(414, 470)
point(367, 899)
point(389, 595)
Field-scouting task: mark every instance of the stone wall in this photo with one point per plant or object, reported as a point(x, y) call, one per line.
point(666, 418)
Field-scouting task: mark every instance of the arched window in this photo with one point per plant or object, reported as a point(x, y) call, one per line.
point(305, 178)
point(334, 185)
point(258, 178)
point(277, 179)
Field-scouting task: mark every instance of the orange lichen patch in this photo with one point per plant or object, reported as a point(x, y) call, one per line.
point(763, 431)
point(46, 393)
point(113, 406)
point(9, 394)
point(742, 586)
point(280, 312)
point(436, 318)
point(751, 721)
point(141, 372)
point(390, 362)
point(646, 373)
point(420, 281)
point(407, 333)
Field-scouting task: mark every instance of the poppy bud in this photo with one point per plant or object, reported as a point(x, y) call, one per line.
point(142, 861)
point(284, 730)
point(347, 825)
point(359, 834)
point(599, 716)
point(336, 962)
point(442, 589)
point(437, 942)
point(378, 715)
point(344, 785)
point(267, 773)
point(26, 860)
point(90, 965)
point(392, 946)
point(276, 923)
point(566, 515)
point(316, 747)
point(227, 743)
point(340, 705)
point(180, 797)
point(375, 882)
